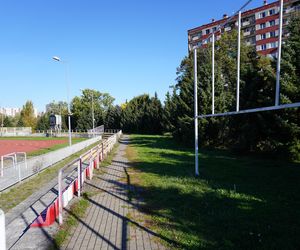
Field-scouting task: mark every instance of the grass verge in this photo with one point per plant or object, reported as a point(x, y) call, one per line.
point(12, 197)
point(110, 156)
point(78, 208)
point(237, 203)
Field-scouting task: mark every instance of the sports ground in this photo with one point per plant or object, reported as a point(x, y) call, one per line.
point(31, 145)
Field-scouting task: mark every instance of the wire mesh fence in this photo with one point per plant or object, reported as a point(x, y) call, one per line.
point(15, 169)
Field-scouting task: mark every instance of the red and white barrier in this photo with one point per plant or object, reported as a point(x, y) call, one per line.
point(2, 230)
point(94, 157)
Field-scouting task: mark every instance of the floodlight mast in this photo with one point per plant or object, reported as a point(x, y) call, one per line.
point(56, 58)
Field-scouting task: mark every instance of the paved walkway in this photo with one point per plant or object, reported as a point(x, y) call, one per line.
point(113, 221)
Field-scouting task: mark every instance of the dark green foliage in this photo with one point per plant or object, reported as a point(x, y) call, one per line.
point(7, 121)
point(142, 114)
point(43, 122)
point(82, 109)
point(277, 132)
point(113, 117)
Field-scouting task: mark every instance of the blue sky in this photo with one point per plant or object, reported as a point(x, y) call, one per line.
point(125, 48)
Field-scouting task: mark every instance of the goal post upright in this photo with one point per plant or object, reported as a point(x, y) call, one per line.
point(196, 113)
point(277, 105)
point(277, 93)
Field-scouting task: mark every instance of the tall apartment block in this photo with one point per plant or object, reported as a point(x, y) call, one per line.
point(13, 111)
point(260, 27)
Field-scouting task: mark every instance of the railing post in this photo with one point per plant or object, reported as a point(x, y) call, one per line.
point(60, 199)
point(25, 159)
point(79, 176)
point(19, 171)
point(2, 166)
point(2, 230)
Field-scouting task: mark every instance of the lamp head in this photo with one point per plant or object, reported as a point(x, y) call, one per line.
point(56, 58)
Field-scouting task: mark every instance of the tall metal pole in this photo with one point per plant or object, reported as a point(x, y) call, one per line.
point(68, 94)
point(238, 63)
point(196, 112)
point(277, 94)
point(213, 73)
point(69, 104)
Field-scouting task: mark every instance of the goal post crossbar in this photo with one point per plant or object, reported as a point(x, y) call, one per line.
point(247, 111)
point(276, 106)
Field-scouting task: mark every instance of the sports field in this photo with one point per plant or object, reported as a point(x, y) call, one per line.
point(33, 145)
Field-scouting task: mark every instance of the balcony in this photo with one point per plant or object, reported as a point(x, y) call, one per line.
point(246, 23)
point(289, 10)
point(227, 28)
point(247, 33)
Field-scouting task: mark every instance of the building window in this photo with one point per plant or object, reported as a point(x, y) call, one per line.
point(272, 23)
point(263, 36)
point(272, 34)
point(264, 47)
point(214, 29)
point(273, 45)
point(262, 25)
point(271, 12)
point(262, 15)
point(207, 31)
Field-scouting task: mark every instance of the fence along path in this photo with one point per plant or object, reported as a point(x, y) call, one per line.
point(113, 221)
point(12, 174)
point(19, 221)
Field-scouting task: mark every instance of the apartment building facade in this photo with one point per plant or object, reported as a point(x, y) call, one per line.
point(260, 27)
point(12, 112)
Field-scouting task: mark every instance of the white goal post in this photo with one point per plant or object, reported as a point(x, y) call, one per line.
point(277, 104)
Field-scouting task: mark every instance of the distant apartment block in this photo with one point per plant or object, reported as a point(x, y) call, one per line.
point(260, 27)
point(14, 111)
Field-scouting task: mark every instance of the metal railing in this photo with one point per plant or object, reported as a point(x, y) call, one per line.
point(34, 165)
point(85, 164)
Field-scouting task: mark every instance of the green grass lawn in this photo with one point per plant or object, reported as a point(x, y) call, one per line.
point(236, 203)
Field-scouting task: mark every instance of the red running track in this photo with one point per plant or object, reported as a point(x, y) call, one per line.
point(10, 146)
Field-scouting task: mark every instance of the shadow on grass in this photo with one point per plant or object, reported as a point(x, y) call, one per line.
point(238, 203)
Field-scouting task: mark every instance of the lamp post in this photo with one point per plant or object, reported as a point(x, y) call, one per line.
point(56, 58)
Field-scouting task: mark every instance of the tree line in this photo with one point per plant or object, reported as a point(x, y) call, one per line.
point(268, 132)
